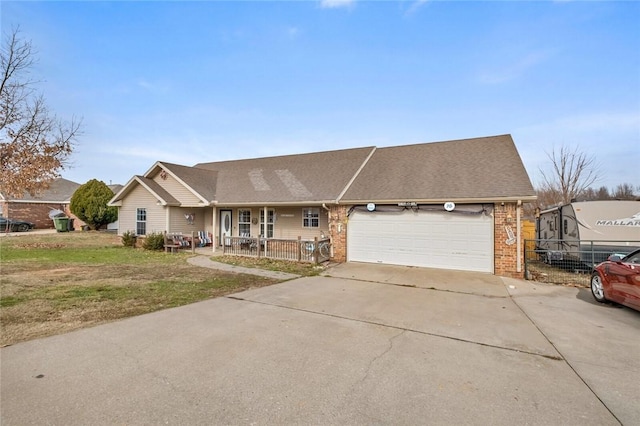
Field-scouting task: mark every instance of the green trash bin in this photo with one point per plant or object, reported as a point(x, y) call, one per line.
point(61, 223)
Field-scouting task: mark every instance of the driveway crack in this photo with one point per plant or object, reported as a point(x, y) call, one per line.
point(378, 357)
point(402, 329)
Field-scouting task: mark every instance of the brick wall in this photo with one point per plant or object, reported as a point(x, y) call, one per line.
point(505, 245)
point(37, 213)
point(338, 232)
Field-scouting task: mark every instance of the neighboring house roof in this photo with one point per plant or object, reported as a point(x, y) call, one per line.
point(115, 188)
point(471, 170)
point(476, 169)
point(60, 191)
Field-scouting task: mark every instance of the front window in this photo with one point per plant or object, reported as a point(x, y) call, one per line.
point(244, 223)
point(270, 216)
point(141, 222)
point(311, 218)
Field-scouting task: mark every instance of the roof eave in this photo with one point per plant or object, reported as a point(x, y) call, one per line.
point(275, 203)
point(503, 199)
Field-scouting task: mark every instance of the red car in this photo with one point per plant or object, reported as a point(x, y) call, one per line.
point(618, 280)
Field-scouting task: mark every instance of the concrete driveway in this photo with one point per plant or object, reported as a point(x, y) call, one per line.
point(365, 344)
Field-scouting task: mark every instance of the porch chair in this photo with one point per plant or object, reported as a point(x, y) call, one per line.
point(203, 239)
point(245, 242)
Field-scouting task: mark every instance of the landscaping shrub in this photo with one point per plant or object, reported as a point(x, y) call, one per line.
point(129, 239)
point(154, 241)
point(90, 204)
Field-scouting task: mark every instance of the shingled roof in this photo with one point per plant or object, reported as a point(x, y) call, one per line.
point(468, 170)
point(60, 191)
point(476, 169)
point(305, 178)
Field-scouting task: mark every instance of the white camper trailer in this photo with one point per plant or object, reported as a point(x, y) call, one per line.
point(580, 235)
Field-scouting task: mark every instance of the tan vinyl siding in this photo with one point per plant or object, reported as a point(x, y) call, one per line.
point(177, 190)
point(140, 198)
point(288, 223)
point(178, 221)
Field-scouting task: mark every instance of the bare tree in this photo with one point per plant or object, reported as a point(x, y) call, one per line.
point(624, 191)
point(34, 145)
point(591, 194)
point(572, 172)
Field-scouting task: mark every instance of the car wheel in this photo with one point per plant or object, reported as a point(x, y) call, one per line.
point(597, 289)
point(23, 227)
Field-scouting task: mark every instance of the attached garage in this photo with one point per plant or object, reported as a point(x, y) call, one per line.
point(425, 237)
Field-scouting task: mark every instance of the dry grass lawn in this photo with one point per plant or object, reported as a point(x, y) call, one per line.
point(55, 283)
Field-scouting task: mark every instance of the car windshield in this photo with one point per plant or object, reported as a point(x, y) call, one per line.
point(632, 258)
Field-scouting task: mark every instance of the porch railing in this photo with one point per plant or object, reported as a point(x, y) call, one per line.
point(314, 251)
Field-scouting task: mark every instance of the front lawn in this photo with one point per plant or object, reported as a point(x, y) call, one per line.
point(55, 283)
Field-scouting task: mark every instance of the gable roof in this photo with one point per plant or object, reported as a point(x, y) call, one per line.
point(318, 177)
point(478, 169)
point(202, 182)
point(60, 191)
point(469, 170)
point(154, 188)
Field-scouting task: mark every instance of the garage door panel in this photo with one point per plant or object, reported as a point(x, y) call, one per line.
point(428, 239)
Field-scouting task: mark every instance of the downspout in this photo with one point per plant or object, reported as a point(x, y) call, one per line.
point(518, 238)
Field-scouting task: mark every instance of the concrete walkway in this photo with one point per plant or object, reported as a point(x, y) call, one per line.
point(206, 262)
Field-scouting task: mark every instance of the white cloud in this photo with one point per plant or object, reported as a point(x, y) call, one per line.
point(334, 4)
point(153, 87)
point(415, 6)
point(515, 70)
point(176, 155)
point(292, 32)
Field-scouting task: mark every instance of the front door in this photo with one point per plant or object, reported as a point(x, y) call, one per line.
point(225, 226)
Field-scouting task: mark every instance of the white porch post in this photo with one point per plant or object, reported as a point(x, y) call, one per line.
point(266, 212)
point(213, 229)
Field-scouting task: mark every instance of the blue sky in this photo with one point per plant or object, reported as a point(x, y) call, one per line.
point(190, 82)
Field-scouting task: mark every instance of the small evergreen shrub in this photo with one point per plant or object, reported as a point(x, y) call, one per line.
point(129, 239)
point(154, 241)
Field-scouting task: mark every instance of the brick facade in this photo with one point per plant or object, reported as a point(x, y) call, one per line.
point(338, 232)
point(505, 245)
point(37, 213)
point(505, 248)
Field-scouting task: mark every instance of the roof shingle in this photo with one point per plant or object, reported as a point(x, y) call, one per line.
point(468, 169)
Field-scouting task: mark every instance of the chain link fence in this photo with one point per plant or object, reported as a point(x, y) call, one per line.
point(569, 262)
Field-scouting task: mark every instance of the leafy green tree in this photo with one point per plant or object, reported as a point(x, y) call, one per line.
point(89, 204)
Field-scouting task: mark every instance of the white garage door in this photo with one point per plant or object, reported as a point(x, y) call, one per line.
point(444, 240)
